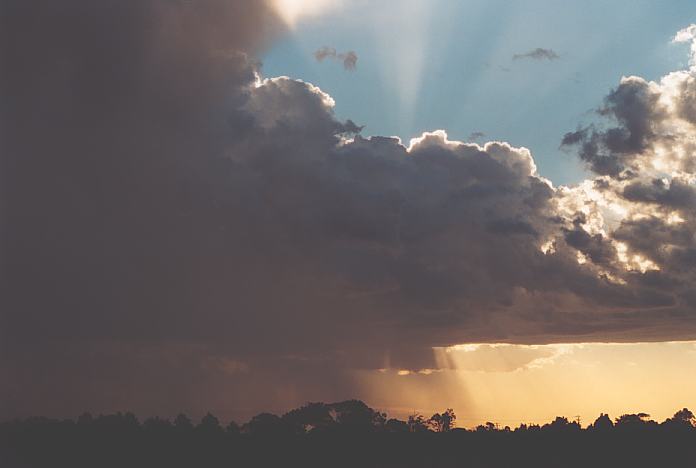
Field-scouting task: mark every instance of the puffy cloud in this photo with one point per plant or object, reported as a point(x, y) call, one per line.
point(688, 35)
point(172, 215)
point(649, 186)
point(635, 105)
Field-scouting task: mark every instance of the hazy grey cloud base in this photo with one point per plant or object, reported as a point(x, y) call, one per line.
point(177, 230)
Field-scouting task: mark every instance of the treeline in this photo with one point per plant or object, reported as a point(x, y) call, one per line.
point(345, 434)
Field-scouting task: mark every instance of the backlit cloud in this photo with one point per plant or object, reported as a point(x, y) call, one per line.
point(173, 221)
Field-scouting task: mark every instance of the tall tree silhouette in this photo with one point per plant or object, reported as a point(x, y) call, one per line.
point(442, 422)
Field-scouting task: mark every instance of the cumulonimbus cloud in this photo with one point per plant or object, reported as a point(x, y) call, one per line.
point(173, 221)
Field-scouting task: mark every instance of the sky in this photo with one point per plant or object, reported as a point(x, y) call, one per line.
point(446, 64)
point(246, 205)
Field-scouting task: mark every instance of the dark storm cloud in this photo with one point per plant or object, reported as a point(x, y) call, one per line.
point(594, 246)
point(349, 59)
point(538, 54)
point(171, 222)
point(114, 117)
point(673, 194)
point(635, 107)
point(646, 158)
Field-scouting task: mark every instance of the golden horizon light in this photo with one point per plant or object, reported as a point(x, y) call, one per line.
point(510, 384)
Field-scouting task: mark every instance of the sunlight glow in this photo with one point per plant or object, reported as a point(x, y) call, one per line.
point(293, 10)
point(634, 261)
point(548, 247)
point(513, 383)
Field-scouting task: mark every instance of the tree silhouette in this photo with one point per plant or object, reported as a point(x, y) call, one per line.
point(602, 423)
point(312, 416)
point(417, 423)
point(233, 428)
point(561, 423)
point(685, 416)
point(396, 425)
point(183, 423)
point(356, 414)
point(264, 424)
point(209, 424)
point(442, 422)
point(634, 420)
point(488, 427)
point(344, 434)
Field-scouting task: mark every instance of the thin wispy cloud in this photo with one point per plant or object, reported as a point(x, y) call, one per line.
point(349, 58)
point(538, 54)
point(476, 136)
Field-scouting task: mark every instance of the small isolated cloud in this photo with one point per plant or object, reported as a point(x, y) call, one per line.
point(324, 53)
point(538, 54)
point(349, 58)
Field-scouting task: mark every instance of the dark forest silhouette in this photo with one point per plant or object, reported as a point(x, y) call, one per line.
point(345, 434)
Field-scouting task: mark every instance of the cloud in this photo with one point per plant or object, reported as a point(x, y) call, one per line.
point(173, 223)
point(538, 54)
point(497, 357)
point(645, 159)
point(635, 105)
point(687, 35)
point(473, 136)
point(349, 59)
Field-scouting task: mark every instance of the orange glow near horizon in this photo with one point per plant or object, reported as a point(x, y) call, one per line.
point(512, 384)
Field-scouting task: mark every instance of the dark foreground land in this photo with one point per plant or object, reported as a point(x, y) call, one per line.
point(346, 434)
